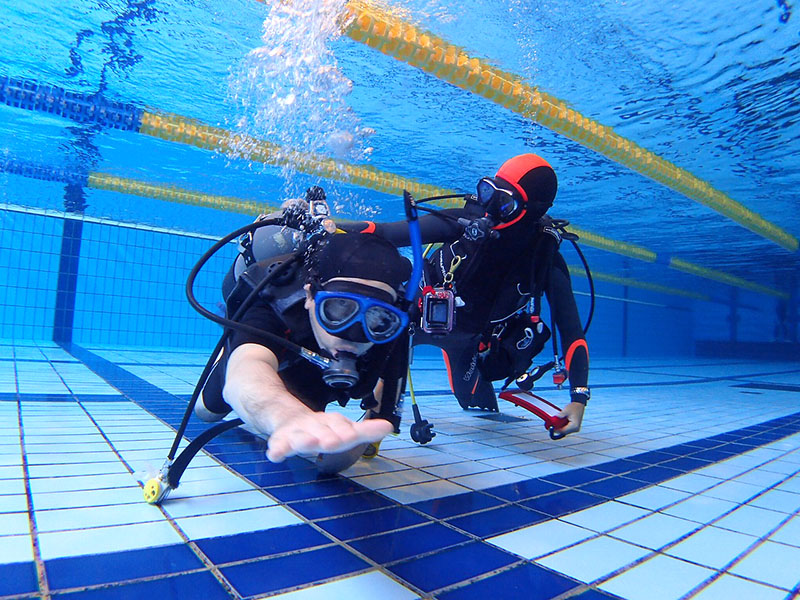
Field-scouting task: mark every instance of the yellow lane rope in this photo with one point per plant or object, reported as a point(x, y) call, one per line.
point(134, 187)
point(395, 37)
point(176, 128)
point(108, 182)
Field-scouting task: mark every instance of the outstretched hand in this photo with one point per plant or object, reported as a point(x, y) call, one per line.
point(312, 433)
point(574, 413)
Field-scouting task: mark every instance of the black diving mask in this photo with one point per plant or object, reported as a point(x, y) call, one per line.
point(500, 203)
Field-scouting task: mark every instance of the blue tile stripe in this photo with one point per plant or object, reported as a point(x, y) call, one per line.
point(460, 521)
point(67, 285)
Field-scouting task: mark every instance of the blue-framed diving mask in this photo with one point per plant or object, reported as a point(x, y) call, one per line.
point(356, 313)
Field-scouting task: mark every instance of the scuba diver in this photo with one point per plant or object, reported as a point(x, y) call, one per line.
point(343, 301)
point(480, 297)
point(314, 317)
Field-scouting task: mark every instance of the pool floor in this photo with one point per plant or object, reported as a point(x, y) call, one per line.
point(683, 483)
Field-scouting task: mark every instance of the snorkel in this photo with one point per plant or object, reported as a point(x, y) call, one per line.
point(415, 235)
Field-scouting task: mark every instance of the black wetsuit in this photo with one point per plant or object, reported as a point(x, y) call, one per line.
point(495, 279)
point(289, 319)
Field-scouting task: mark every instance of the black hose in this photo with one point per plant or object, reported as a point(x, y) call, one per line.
point(591, 286)
point(228, 323)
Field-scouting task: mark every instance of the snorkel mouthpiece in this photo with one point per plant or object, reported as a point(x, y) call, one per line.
point(341, 372)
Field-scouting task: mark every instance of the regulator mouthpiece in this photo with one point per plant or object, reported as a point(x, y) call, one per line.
point(341, 372)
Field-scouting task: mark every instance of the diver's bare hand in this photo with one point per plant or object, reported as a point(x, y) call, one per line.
point(574, 413)
point(315, 432)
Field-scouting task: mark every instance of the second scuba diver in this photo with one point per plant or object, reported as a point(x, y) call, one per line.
point(481, 292)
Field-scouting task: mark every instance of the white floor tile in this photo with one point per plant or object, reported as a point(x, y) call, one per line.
point(729, 587)
point(654, 531)
point(220, 503)
point(14, 523)
point(751, 520)
point(700, 508)
point(654, 497)
point(107, 539)
point(660, 578)
point(593, 559)
point(779, 500)
point(541, 539)
point(16, 548)
point(393, 479)
point(691, 482)
point(776, 564)
point(482, 481)
point(712, 547)
point(789, 533)
point(367, 586)
point(236, 522)
point(606, 516)
point(408, 494)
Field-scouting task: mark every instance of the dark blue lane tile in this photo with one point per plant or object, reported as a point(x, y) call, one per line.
point(120, 566)
point(268, 480)
point(614, 487)
point(99, 397)
point(393, 546)
point(523, 489)
point(622, 465)
point(713, 455)
point(450, 506)
point(685, 464)
point(726, 437)
point(340, 505)
point(48, 398)
point(745, 445)
point(654, 474)
point(591, 594)
point(322, 488)
point(497, 520)
point(575, 477)
point(452, 566)
point(370, 523)
point(703, 443)
point(233, 457)
point(194, 585)
point(8, 397)
point(651, 458)
point(528, 581)
point(564, 502)
point(231, 548)
point(739, 447)
point(18, 578)
point(274, 574)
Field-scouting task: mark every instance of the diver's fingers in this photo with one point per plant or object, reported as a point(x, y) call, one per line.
point(323, 432)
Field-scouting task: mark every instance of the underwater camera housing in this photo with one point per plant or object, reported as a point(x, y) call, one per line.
point(438, 311)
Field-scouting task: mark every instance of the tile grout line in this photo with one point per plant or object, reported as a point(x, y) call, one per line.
point(742, 555)
point(434, 519)
point(336, 541)
point(660, 551)
point(197, 551)
point(41, 573)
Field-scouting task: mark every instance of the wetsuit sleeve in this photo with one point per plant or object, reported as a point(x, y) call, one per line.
point(263, 317)
point(565, 312)
point(437, 227)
